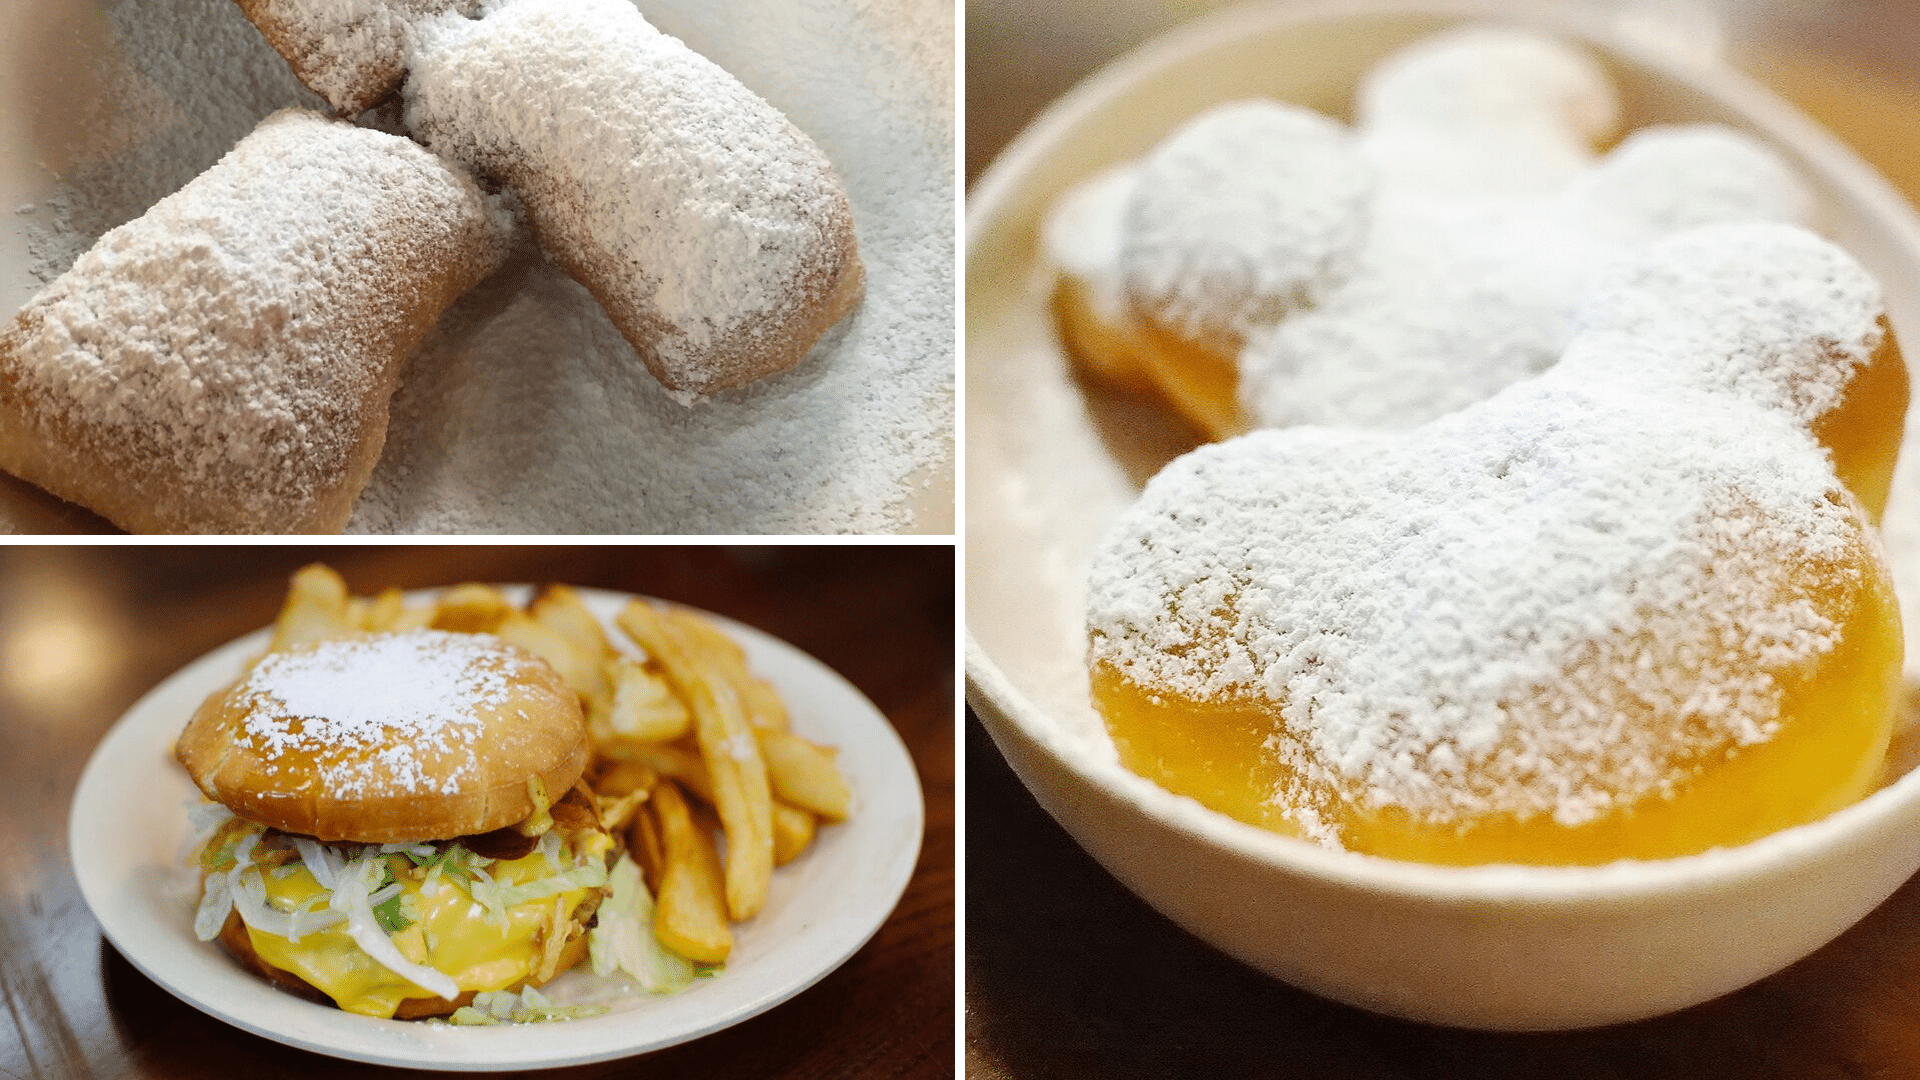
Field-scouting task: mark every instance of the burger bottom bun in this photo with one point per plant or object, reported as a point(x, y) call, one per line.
point(234, 936)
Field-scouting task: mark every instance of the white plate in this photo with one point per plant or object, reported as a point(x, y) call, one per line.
point(128, 826)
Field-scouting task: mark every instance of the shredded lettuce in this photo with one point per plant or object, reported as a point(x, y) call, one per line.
point(497, 898)
point(359, 888)
point(390, 907)
point(392, 915)
point(206, 818)
point(221, 856)
point(453, 859)
point(235, 883)
point(215, 902)
point(529, 1006)
point(622, 937)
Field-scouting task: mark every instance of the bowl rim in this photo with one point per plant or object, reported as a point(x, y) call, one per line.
point(1002, 704)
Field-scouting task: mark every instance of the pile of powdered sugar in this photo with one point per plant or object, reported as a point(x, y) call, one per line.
point(1482, 614)
point(526, 410)
point(368, 709)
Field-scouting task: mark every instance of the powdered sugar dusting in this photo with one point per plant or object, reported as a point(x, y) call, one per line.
point(710, 226)
point(351, 52)
point(1485, 110)
point(525, 412)
point(1470, 215)
point(367, 708)
point(1456, 297)
point(230, 353)
point(1248, 211)
point(1083, 236)
point(1472, 616)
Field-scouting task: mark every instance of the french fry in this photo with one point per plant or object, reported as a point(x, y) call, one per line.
point(471, 609)
point(643, 839)
point(761, 700)
point(381, 612)
point(388, 613)
point(624, 777)
point(668, 760)
point(803, 773)
point(582, 671)
point(316, 609)
point(617, 811)
point(690, 917)
point(763, 703)
point(741, 793)
point(561, 610)
point(642, 706)
point(792, 832)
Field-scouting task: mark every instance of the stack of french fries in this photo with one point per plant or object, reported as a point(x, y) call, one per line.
point(684, 738)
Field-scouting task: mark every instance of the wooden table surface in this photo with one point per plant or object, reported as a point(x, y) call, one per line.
point(85, 631)
point(1069, 975)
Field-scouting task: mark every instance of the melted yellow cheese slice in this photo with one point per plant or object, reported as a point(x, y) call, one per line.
point(452, 934)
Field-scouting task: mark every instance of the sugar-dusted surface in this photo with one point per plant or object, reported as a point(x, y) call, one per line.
point(1456, 619)
point(362, 708)
point(1457, 296)
point(526, 411)
point(224, 362)
point(351, 52)
point(714, 231)
point(1472, 214)
point(1083, 237)
point(1249, 212)
point(1486, 110)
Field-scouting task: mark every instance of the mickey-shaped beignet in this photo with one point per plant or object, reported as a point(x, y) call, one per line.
point(1388, 274)
point(1625, 609)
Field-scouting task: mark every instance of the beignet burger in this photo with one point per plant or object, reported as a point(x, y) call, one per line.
point(388, 837)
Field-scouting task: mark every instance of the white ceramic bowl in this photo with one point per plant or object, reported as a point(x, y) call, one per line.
point(1050, 462)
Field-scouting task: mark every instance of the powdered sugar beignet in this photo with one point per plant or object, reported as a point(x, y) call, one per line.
point(224, 362)
point(1468, 212)
point(713, 231)
point(1624, 609)
point(353, 53)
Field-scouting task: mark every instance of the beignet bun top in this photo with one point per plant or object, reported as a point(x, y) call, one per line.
point(389, 738)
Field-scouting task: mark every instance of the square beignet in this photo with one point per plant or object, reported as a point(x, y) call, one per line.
point(712, 230)
point(224, 362)
point(353, 53)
